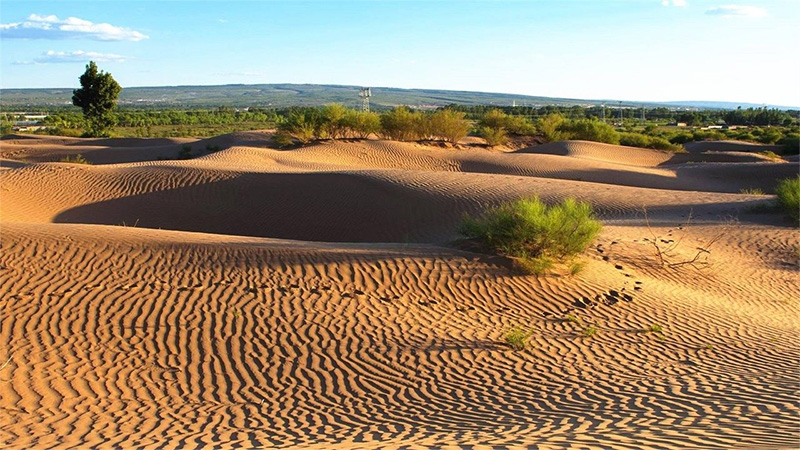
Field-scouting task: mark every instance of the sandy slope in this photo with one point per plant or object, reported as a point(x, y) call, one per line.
point(730, 146)
point(120, 337)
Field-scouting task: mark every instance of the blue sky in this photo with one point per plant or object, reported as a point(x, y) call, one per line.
point(656, 50)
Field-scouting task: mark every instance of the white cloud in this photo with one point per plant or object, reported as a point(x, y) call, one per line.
point(678, 3)
point(51, 27)
point(730, 11)
point(78, 56)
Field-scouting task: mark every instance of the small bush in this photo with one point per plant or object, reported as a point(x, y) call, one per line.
point(645, 141)
point(494, 119)
point(517, 337)
point(589, 130)
point(185, 152)
point(282, 140)
point(589, 331)
point(788, 192)
point(75, 159)
point(751, 191)
point(549, 127)
point(493, 136)
point(401, 124)
point(571, 318)
point(770, 136)
point(791, 144)
point(771, 155)
point(448, 125)
point(498, 120)
point(536, 235)
point(360, 124)
point(301, 125)
point(681, 138)
point(655, 328)
point(634, 140)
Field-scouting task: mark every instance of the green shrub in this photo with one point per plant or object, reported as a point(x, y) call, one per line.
point(493, 136)
point(401, 124)
point(549, 125)
point(634, 140)
point(645, 141)
point(770, 136)
point(498, 120)
point(517, 337)
point(788, 192)
point(185, 152)
point(589, 331)
point(360, 124)
point(707, 135)
point(681, 138)
point(332, 124)
point(751, 191)
point(493, 118)
point(589, 130)
point(75, 159)
point(301, 125)
point(536, 235)
point(281, 140)
point(448, 125)
point(791, 143)
point(655, 328)
point(771, 155)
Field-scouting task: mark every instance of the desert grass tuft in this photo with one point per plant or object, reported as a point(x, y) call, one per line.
point(517, 337)
point(589, 331)
point(75, 159)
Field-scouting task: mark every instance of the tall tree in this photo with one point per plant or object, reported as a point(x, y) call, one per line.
point(97, 97)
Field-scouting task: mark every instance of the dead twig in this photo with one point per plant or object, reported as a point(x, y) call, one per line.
point(667, 254)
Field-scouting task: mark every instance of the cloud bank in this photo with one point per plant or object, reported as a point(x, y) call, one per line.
point(732, 11)
point(51, 27)
point(78, 56)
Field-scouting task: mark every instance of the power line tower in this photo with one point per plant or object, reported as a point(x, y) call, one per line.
point(604, 112)
point(365, 94)
point(620, 112)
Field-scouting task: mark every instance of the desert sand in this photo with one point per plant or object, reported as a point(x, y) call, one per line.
point(312, 298)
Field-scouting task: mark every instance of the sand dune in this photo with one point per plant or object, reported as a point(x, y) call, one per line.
point(345, 206)
point(215, 331)
point(730, 146)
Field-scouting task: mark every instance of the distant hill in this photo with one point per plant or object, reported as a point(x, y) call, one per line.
point(282, 95)
point(725, 105)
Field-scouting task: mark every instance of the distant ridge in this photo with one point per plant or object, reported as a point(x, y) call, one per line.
point(725, 105)
point(283, 95)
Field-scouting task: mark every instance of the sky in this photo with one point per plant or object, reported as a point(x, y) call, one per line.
point(637, 50)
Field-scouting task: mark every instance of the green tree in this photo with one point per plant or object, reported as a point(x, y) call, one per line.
point(97, 97)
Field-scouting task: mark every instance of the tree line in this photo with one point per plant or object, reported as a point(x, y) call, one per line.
point(749, 116)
